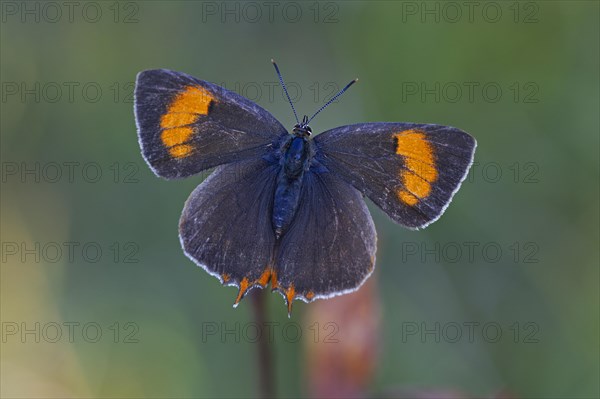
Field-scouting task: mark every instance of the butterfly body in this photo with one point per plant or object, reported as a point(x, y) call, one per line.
point(294, 162)
point(285, 208)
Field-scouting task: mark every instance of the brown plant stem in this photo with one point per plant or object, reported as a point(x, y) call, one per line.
point(265, 355)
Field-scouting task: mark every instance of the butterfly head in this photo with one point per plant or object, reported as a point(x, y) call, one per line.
point(302, 129)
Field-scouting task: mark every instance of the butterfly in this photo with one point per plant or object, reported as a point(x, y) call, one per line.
point(287, 208)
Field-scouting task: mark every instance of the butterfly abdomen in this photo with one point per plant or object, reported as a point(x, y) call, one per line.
point(295, 157)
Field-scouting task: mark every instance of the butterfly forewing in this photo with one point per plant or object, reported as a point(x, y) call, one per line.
point(186, 125)
point(411, 171)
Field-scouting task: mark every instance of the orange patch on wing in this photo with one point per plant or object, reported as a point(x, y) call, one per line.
point(183, 111)
point(407, 197)
point(268, 275)
point(419, 159)
point(244, 285)
point(187, 107)
point(181, 151)
point(264, 278)
point(290, 293)
point(176, 136)
point(174, 119)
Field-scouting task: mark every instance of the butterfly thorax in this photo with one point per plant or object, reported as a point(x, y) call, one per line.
point(296, 154)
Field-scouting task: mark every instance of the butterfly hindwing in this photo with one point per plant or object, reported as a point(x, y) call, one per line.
point(411, 171)
point(186, 125)
point(330, 247)
point(226, 227)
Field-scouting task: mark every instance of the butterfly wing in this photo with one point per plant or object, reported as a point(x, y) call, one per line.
point(329, 249)
point(186, 125)
point(410, 171)
point(226, 227)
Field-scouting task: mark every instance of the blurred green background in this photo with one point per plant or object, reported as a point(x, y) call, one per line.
point(522, 78)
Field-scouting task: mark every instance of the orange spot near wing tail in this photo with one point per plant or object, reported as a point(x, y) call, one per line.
point(244, 285)
point(268, 275)
point(290, 294)
point(264, 278)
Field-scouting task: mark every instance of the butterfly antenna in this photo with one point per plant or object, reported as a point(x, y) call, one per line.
point(285, 90)
point(333, 99)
